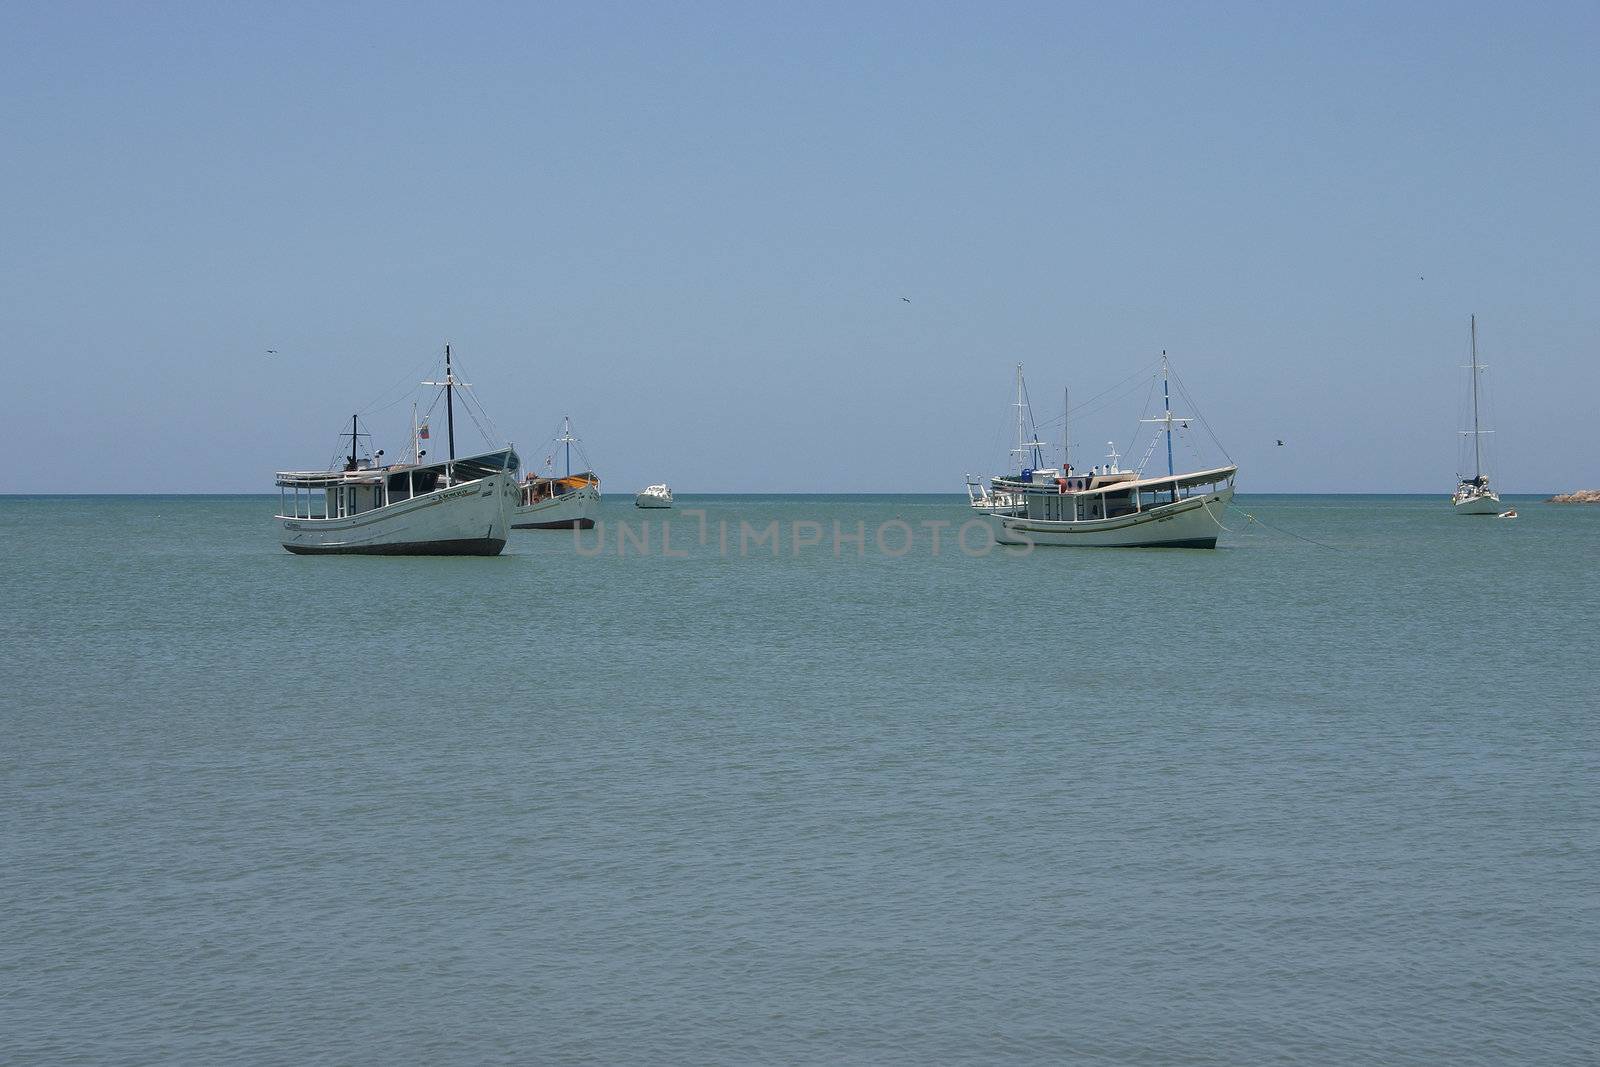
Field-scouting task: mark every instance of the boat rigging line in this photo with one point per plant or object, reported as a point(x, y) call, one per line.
point(1200, 417)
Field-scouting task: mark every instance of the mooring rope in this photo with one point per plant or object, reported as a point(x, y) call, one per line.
point(1207, 505)
point(1249, 518)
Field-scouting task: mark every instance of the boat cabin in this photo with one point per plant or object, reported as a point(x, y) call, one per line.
point(536, 488)
point(1110, 495)
point(343, 493)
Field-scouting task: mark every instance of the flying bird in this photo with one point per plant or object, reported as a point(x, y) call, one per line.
point(1280, 442)
point(272, 351)
point(907, 299)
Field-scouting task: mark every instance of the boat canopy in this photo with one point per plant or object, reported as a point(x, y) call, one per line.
point(468, 469)
point(565, 481)
point(1181, 481)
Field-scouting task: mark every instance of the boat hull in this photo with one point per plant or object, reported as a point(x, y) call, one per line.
point(464, 520)
point(1194, 522)
point(574, 510)
point(642, 501)
point(1485, 504)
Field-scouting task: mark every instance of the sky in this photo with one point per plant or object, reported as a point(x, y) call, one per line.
point(797, 247)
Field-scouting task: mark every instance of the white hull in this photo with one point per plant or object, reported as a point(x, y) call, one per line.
point(574, 509)
point(1193, 522)
point(465, 520)
point(652, 500)
point(1484, 504)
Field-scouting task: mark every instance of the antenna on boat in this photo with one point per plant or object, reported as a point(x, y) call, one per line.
point(566, 437)
point(1113, 456)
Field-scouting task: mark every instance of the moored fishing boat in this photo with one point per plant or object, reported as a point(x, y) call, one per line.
point(558, 502)
point(1474, 495)
point(457, 507)
point(1114, 508)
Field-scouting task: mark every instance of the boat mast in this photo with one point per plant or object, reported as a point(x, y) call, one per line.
point(449, 404)
point(1066, 438)
point(566, 436)
point(1477, 435)
point(1166, 401)
point(1021, 407)
point(449, 385)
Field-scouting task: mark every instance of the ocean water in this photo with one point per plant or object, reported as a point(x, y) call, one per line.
point(1285, 802)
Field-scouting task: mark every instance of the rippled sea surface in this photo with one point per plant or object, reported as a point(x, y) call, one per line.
point(1283, 802)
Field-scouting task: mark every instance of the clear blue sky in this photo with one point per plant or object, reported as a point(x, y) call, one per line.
point(691, 227)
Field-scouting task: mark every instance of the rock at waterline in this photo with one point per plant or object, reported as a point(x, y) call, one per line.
point(1577, 496)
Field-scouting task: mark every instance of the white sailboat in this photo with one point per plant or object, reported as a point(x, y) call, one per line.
point(1114, 508)
point(458, 507)
point(559, 502)
point(1474, 496)
point(1029, 453)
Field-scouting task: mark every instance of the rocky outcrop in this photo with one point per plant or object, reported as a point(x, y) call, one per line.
point(1578, 496)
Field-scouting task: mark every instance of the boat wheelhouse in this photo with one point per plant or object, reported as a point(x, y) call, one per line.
point(454, 507)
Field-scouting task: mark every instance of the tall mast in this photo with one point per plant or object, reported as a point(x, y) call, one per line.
point(567, 437)
point(1477, 435)
point(355, 444)
point(1165, 422)
point(1066, 438)
point(1166, 401)
point(449, 403)
point(1021, 407)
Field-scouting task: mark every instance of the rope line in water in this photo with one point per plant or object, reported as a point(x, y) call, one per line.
point(1249, 518)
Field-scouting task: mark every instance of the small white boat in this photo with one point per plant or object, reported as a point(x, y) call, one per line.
point(1474, 496)
point(653, 496)
point(1509, 513)
point(1113, 508)
point(458, 507)
point(559, 502)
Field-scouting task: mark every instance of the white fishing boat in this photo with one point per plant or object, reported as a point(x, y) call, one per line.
point(549, 501)
point(653, 496)
point(458, 507)
point(1474, 495)
point(1113, 508)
